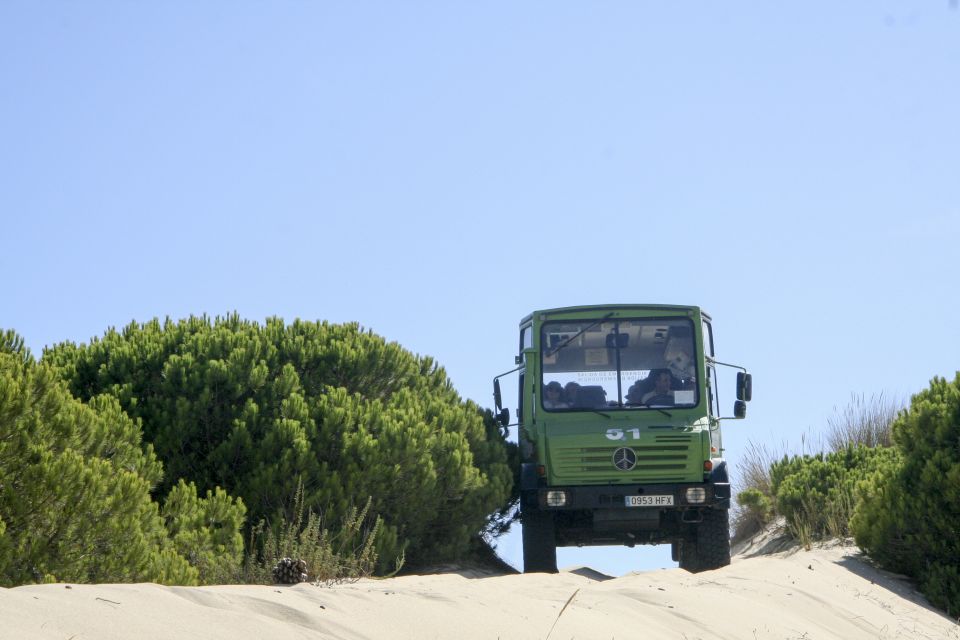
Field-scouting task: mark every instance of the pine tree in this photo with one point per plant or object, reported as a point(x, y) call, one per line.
point(910, 513)
point(206, 531)
point(260, 409)
point(74, 485)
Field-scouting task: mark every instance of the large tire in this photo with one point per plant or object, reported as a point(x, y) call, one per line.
point(711, 548)
point(539, 542)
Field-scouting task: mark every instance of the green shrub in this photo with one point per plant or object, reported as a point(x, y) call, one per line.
point(756, 511)
point(75, 492)
point(255, 408)
point(909, 517)
point(207, 532)
point(75, 485)
point(817, 493)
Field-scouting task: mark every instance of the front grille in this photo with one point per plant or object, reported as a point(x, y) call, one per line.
point(666, 459)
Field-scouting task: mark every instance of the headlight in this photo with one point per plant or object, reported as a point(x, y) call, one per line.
point(556, 498)
point(696, 495)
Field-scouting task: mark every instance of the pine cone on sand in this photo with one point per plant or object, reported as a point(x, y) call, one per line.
point(288, 571)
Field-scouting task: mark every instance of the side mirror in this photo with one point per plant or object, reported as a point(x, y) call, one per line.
point(497, 400)
point(504, 417)
point(739, 409)
point(744, 387)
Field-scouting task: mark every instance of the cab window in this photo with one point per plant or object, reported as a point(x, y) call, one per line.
point(631, 364)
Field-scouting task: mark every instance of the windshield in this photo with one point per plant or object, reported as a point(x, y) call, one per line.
point(618, 364)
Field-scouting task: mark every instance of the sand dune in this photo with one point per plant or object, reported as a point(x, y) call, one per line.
point(767, 592)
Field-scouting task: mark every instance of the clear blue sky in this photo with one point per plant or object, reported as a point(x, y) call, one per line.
point(437, 170)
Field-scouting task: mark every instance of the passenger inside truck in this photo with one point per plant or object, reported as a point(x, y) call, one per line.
point(591, 397)
point(570, 393)
point(553, 396)
point(662, 392)
point(644, 388)
point(638, 389)
point(679, 359)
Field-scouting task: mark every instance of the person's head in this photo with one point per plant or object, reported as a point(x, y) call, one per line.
point(678, 359)
point(570, 389)
point(662, 380)
point(553, 391)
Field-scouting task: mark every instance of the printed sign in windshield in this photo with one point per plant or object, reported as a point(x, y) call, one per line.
point(618, 364)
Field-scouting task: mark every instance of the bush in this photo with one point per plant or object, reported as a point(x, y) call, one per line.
point(756, 511)
point(75, 492)
point(817, 493)
point(910, 514)
point(344, 555)
point(207, 532)
point(75, 485)
point(255, 409)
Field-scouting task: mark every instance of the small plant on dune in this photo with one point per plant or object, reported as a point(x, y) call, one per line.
point(802, 522)
point(754, 508)
point(331, 557)
point(839, 512)
point(755, 511)
point(755, 466)
point(866, 422)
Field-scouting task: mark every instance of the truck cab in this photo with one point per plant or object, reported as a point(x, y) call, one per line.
point(620, 433)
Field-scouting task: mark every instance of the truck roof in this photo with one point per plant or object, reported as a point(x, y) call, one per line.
point(616, 307)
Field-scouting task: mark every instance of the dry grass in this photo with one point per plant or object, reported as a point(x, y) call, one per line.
point(753, 473)
point(864, 421)
point(755, 467)
point(345, 554)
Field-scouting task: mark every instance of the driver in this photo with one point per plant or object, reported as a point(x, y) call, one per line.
point(662, 392)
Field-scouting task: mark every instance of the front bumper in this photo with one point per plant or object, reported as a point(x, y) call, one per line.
point(716, 495)
point(599, 515)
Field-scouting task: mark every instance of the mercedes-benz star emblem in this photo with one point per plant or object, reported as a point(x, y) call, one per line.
point(624, 458)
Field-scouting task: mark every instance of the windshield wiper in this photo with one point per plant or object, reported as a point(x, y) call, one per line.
point(578, 334)
point(644, 404)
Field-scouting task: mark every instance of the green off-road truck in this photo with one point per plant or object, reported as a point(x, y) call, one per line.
point(619, 432)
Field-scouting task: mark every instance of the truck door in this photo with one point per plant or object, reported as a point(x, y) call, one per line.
point(713, 399)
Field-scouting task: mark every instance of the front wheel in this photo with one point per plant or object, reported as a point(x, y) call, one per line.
point(711, 547)
point(539, 542)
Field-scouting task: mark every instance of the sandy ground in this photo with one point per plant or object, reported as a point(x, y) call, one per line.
point(767, 592)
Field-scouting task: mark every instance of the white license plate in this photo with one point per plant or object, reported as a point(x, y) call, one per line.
point(648, 501)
